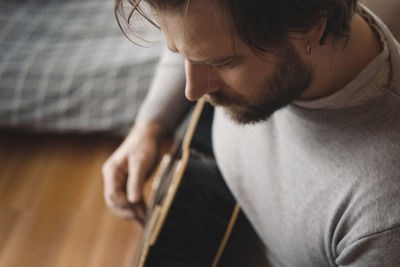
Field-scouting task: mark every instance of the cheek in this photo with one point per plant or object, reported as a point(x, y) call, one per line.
point(246, 79)
point(240, 74)
point(235, 79)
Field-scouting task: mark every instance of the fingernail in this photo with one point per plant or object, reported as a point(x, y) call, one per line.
point(131, 198)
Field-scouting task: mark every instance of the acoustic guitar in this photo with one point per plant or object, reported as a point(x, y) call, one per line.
point(193, 220)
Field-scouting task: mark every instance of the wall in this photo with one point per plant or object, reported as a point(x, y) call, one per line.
point(389, 11)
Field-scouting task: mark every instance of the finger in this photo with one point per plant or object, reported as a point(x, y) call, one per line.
point(136, 178)
point(127, 210)
point(114, 178)
point(124, 213)
point(141, 220)
point(140, 210)
point(130, 213)
point(115, 188)
point(116, 198)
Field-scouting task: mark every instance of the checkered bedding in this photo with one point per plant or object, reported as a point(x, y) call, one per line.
point(66, 66)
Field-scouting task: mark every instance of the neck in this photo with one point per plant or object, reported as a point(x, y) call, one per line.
point(335, 66)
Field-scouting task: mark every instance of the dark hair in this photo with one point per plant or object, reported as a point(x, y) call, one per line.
point(261, 24)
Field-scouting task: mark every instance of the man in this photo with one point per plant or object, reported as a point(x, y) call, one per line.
point(306, 127)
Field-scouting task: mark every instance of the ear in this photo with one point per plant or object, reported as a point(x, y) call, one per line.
point(316, 33)
point(312, 38)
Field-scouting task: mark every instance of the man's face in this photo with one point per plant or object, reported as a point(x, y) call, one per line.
point(226, 71)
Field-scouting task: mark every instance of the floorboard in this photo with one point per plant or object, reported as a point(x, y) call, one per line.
point(52, 212)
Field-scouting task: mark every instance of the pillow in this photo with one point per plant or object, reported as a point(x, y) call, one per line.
point(66, 66)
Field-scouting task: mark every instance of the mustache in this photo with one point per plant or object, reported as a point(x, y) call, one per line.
point(219, 99)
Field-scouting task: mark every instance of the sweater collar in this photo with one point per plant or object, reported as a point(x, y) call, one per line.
point(388, 102)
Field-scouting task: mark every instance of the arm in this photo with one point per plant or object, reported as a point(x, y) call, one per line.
point(166, 102)
point(126, 170)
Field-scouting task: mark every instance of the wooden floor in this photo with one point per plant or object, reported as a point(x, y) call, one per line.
point(52, 212)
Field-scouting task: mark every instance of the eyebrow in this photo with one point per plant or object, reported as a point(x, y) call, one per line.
point(213, 61)
point(209, 61)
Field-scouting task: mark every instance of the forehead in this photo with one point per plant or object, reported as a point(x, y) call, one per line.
point(202, 29)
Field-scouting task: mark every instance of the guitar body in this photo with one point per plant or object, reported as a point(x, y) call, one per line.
point(199, 214)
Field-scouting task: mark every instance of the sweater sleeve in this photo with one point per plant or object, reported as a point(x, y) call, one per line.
point(378, 249)
point(165, 102)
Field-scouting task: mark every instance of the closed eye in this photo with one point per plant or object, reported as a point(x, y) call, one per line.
point(224, 65)
point(230, 64)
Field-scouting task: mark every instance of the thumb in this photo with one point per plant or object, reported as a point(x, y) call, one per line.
point(135, 181)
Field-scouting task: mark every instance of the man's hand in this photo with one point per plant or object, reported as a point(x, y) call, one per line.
point(126, 170)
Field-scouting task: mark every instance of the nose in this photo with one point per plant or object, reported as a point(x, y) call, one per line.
point(199, 81)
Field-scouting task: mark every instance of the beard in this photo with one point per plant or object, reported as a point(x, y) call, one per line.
point(290, 79)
